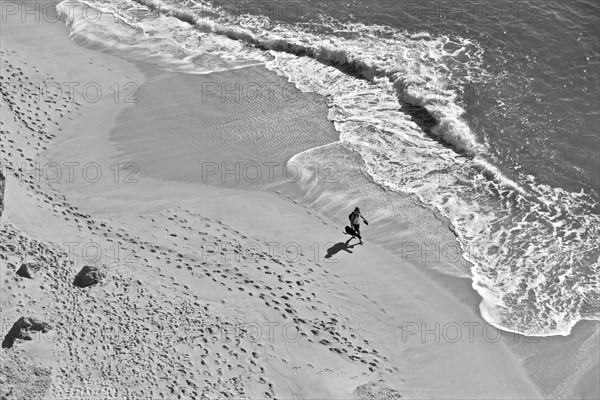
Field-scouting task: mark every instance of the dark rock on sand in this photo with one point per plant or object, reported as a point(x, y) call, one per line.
point(29, 270)
point(24, 329)
point(89, 275)
point(376, 390)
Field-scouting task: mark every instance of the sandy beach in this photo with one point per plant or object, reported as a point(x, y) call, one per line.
point(222, 273)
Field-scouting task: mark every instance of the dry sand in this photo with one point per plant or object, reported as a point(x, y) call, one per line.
point(208, 291)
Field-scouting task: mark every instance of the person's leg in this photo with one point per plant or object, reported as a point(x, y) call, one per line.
point(357, 230)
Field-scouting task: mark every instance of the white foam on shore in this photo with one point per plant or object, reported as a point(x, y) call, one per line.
point(167, 41)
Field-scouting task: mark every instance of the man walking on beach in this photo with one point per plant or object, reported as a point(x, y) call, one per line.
point(355, 218)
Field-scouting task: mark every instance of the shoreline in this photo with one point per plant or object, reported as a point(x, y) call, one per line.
point(148, 214)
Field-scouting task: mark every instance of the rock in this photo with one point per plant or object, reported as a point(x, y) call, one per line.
point(29, 270)
point(89, 275)
point(377, 389)
point(25, 329)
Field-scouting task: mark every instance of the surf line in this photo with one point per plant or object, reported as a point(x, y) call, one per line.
point(350, 66)
point(431, 124)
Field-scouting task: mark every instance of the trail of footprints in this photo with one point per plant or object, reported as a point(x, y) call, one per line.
point(275, 286)
point(148, 339)
point(149, 342)
point(38, 104)
point(292, 298)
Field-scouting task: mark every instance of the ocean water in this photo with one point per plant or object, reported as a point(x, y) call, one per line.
point(487, 111)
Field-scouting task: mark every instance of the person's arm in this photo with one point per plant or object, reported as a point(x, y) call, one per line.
point(364, 220)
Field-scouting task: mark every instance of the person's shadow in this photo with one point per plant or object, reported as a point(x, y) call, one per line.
point(336, 248)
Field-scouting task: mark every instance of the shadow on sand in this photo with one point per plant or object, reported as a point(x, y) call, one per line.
point(336, 248)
